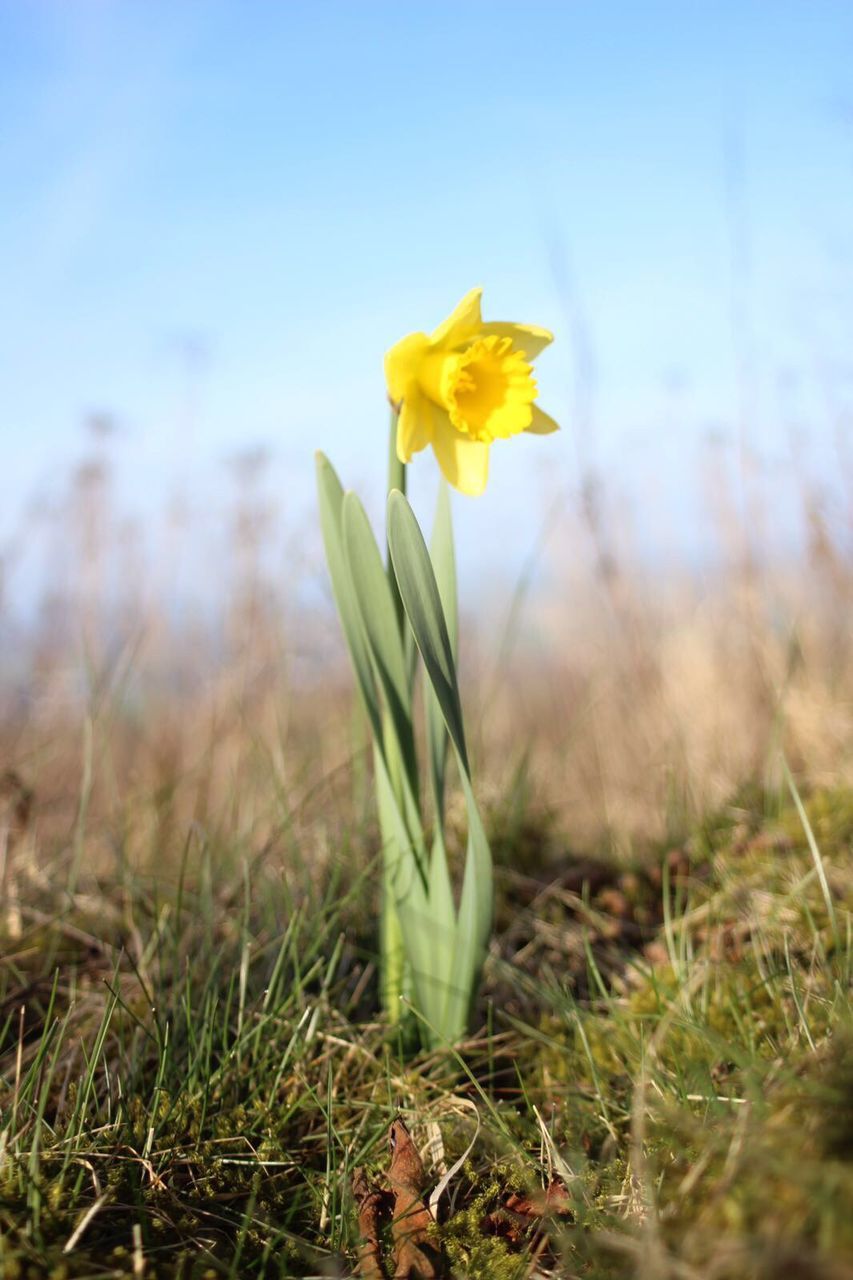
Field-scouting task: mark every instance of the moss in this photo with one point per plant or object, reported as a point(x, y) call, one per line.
point(479, 1257)
point(745, 1189)
point(835, 1103)
point(830, 816)
point(735, 1014)
point(470, 1252)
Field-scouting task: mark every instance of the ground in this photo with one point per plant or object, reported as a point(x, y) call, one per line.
point(193, 1064)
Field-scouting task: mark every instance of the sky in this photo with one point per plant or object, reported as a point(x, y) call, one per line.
point(217, 216)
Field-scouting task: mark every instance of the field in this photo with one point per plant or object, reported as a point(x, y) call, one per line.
point(192, 1062)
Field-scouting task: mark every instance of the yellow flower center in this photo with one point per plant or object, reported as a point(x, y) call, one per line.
point(487, 389)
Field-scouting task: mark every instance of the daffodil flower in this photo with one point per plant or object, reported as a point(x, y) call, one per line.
point(463, 387)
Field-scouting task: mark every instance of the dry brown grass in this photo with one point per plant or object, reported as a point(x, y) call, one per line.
point(637, 698)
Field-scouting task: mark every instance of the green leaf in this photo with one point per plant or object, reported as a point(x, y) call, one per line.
point(444, 566)
point(403, 871)
point(404, 887)
point(376, 607)
point(422, 602)
point(375, 604)
point(444, 954)
point(445, 934)
point(476, 905)
point(331, 497)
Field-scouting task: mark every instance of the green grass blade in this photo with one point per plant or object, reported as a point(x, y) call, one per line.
point(816, 854)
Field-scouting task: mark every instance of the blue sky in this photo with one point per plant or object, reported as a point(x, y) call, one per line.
point(293, 186)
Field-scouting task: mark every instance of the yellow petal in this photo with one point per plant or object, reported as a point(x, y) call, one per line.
point(528, 338)
point(414, 426)
point(461, 324)
point(542, 424)
point(464, 462)
point(402, 363)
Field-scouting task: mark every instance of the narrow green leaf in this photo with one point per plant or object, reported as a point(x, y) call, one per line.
point(404, 872)
point(444, 566)
point(422, 602)
point(396, 480)
point(421, 599)
point(375, 603)
point(404, 899)
point(331, 496)
point(443, 912)
point(476, 905)
point(444, 955)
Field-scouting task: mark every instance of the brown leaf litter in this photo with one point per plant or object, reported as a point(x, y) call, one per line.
point(415, 1251)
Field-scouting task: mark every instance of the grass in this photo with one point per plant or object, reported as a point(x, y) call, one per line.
point(191, 1068)
point(191, 1059)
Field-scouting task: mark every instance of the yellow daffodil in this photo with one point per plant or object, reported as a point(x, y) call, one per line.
point(464, 386)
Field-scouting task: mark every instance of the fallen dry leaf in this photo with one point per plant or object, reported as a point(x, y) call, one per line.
point(520, 1211)
point(372, 1205)
point(415, 1254)
point(415, 1257)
